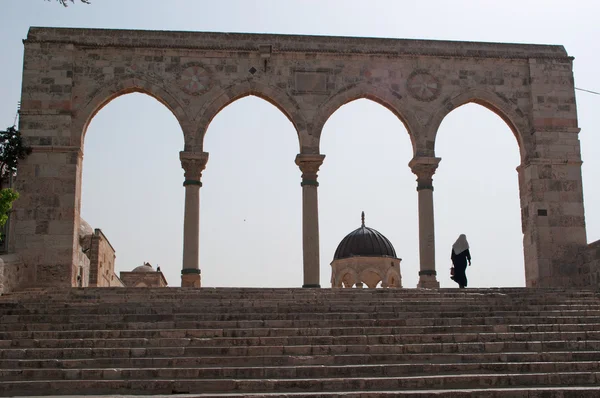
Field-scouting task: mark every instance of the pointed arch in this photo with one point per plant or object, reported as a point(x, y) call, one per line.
point(512, 115)
point(383, 96)
point(224, 97)
point(116, 88)
point(365, 277)
point(346, 275)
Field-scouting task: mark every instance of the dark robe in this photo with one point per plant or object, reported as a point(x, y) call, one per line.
point(460, 267)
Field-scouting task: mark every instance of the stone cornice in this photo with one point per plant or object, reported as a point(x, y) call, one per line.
point(245, 42)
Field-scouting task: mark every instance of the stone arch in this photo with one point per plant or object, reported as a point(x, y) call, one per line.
point(101, 97)
point(383, 96)
point(224, 97)
point(365, 277)
point(512, 115)
point(349, 275)
point(392, 279)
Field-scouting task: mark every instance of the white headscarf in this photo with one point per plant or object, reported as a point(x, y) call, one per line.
point(461, 244)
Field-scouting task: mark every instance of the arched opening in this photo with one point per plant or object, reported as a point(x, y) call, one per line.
point(366, 169)
point(477, 193)
point(250, 213)
point(276, 97)
point(131, 184)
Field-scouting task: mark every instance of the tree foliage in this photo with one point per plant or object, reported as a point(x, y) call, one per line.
point(7, 197)
point(12, 149)
point(66, 2)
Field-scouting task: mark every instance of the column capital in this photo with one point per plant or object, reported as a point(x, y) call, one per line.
point(424, 168)
point(309, 165)
point(193, 163)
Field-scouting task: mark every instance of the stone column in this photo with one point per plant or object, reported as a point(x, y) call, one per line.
point(193, 164)
point(424, 168)
point(309, 165)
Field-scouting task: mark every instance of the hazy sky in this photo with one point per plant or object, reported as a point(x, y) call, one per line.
point(250, 212)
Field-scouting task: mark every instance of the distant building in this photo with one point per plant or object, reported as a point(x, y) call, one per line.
point(144, 276)
point(365, 257)
point(96, 259)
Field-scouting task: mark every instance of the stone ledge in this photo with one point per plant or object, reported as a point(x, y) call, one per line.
point(289, 43)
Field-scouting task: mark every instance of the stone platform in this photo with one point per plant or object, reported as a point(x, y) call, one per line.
point(300, 342)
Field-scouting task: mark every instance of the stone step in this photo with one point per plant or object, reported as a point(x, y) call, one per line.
point(332, 318)
point(291, 302)
point(299, 360)
point(208, 308)
point(524, 392)
point(123, 295)
point(300, 350)
point(536, 392)
point(363, 321)
point(25, 314)
point(300, 340)
point(282, 332)
point(179, 386)
point(49, 300)
point(287, 290)
point(187, 313)
point(293, 372)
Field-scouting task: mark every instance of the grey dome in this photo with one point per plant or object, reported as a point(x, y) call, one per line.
point(366, 242)
point(144, 268)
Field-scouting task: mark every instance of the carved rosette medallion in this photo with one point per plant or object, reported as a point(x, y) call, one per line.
point(423, 86)
point(194, 80)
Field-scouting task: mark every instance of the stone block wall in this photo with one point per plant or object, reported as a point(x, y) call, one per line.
point(102, 262)
point(83, 273)
point(590, 259)
point(14, 275)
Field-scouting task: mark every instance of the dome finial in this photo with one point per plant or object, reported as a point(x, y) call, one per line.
point(362, 218)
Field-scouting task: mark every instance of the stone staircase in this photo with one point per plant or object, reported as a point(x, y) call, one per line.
point(301, 342)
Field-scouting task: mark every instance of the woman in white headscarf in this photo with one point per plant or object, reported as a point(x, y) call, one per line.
point(460, 256)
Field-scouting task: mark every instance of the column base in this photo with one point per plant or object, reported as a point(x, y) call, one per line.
point(191, 279)
point(427, 280)
point(312, 285)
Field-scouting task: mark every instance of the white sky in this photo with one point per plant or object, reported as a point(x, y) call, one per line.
point(251, 199)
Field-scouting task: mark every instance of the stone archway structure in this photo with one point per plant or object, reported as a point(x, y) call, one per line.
point(69, 74)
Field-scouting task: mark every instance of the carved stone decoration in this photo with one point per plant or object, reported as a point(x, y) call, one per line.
point(194, 80)
point(309, 165)
point(423, 86)
point(193, 164)
point(424, 168)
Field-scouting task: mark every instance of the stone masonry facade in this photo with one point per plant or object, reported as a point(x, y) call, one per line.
point(102, 262)
point(70, 74)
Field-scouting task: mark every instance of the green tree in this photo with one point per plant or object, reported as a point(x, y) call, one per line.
point(7, 197)
point(12, 149)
